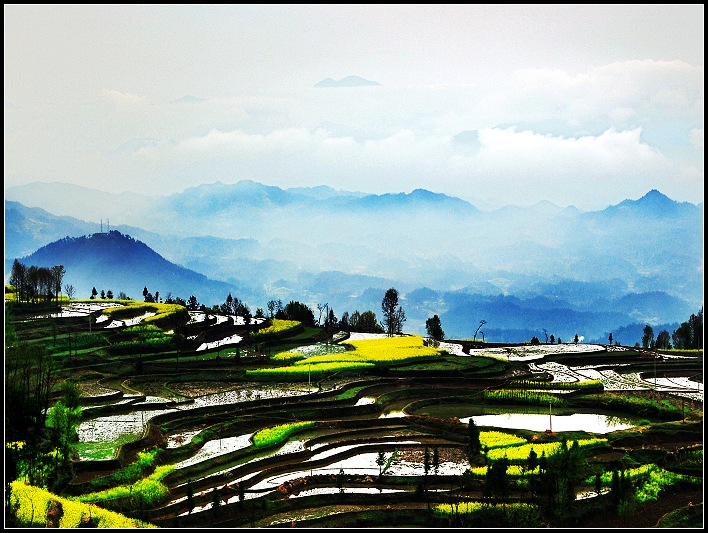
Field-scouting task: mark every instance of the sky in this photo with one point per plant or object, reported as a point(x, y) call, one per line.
point(583, 105)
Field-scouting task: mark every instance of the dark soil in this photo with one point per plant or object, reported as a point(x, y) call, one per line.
point(649, 514)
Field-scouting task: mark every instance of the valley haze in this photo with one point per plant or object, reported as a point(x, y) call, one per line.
point(523, 270)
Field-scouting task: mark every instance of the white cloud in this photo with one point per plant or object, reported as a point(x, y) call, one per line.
point(612, 131)
point(511, 166)
point(636, 87)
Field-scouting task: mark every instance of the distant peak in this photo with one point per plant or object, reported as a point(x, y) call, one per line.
point(654, 194)
point(188, 99)
point(653, 203)
point(349, 81)
point(654, 197)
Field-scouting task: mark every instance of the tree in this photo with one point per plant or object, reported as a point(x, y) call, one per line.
point(215, 500)
point(103, 294)
point(355, 320)
point(689, 334)
point(565, 469)
point(302, 313)
point(553, 339)
point(696, 323)
point(32, 283)
point(481, 323)
point(648, 337)
point(392, 312)
point(576, 339)
point(192, 303)
point(63, 420)
point(109, 294)
point(58, 273)
point(70, 291)
point(682, 336)
point(531, 464)
point(247, 318)
point(94, 293)
point(497, 478)
point(331, 321)
point(366, 322)
point(344, 321)
point(532, 460)
point(30, 377)
point(610, 338)
point(381, 460)
point(340, 481)
point(18, 279)
point(663, 341)
point(400, 319)
point(474, 445)
point(190, 496)
point(434, 328)
point(436, 460)
point(322, 308)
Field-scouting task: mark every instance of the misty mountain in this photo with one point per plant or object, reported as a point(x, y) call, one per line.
point(188, 99)
point(117, 262)
point(417, 199)
point(641, 260)
point(653, 204)
point(349, 81)
point(30, 228)
point(64, 199)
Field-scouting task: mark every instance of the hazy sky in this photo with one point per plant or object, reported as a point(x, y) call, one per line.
point(581, 105)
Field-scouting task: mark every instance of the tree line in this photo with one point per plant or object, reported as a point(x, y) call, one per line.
point(36, 284)
point(688, 336)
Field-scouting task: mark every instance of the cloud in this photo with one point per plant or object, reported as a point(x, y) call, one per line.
point(613, 132)
point(617, 90)
point(513, 166)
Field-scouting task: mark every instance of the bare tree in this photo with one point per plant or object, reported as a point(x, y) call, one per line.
point(481, 323)
point(70, 291)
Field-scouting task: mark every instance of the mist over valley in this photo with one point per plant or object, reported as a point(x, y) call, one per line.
point(521, 269)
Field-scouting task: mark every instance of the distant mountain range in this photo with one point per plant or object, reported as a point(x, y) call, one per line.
point(520, 269)
point(349, 81)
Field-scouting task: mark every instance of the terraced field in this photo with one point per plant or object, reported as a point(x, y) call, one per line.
point(378, 445)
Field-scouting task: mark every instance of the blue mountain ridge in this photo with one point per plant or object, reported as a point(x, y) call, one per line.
point(622, 264)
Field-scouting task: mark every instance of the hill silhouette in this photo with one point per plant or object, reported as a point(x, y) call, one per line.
point(120, 263)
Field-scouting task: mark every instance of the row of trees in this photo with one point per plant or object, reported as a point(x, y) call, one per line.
point(688, 336)
point(365, 322)
point(36, 284)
